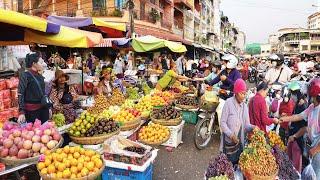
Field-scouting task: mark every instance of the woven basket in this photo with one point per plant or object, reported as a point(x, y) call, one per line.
point(249, 176)
point(89, 177)
point(155, 144)
point(14, 161)
point(186, 107)
point(177, 95)
point(127, 127)
point(169, 122)
point(93, 140)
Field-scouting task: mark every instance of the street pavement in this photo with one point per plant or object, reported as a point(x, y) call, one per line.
point(185, 162)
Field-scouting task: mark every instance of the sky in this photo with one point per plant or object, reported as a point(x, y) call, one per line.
point(260, 18)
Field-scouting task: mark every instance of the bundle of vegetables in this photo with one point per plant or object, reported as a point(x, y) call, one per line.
point(220, 166)
point(286, 168)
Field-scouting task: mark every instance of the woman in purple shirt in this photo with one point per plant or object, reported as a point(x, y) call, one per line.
point(235, 123)
point(227, 76)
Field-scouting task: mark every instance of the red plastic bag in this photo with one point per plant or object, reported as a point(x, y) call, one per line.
point(12, 82)
point(5, 93)
point(7, 103)
point(3, 84)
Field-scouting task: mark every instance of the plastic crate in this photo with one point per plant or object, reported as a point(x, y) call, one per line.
point(110, 173)
point(175, 135)
point(190, 117)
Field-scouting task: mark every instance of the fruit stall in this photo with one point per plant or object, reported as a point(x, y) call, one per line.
point(264, 157)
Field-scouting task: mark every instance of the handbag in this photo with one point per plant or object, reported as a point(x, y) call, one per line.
point(45, 100)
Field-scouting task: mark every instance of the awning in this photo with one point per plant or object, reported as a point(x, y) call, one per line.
point(68, 37)
point(196, 45)
point(109, 42)
point(149, 43)
point(25, 21)
point(208, 48)
point(76, 22)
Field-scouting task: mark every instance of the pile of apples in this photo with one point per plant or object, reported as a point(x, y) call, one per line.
point(28, 141)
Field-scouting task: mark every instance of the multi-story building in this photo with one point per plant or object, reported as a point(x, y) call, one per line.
point(265, 50)
point(274, 41)
point(229, 35)
point(241, 42)
point(299, 40)
point(314, 21)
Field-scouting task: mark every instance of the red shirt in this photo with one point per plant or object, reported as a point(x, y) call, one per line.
point(287, 109)
point(258, 112)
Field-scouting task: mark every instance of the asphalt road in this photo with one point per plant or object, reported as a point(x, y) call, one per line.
point(185, 161)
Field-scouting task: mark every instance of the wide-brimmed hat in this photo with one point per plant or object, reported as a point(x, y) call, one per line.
point(59, 74)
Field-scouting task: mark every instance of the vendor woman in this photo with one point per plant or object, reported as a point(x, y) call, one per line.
point(106, 83)
point(170, 77)
point(63, 96)
point(235, 122)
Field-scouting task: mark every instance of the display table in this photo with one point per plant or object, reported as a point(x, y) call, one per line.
point(15, 169)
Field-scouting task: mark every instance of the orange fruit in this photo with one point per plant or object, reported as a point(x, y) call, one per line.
point(59, 175)
point(66, 173)
point(59, 158)
point(74, 170)
point(47, 152)
point(47, 162)
point(44, 171)
point(82, 151)
point(59, 151)
point(84, 172)
point(74, 162)
point(76, 155)
point(67, 162)
point(90, 166)
point(66, 149)
point(51, 169)
point(98, 163)
point(61, 167)
point(49, 157)
point(87, 159)
point(80, 166)
point(81, 160)
point(71, 150)
point(41, 165)
point(79, 175)
point(73, 176)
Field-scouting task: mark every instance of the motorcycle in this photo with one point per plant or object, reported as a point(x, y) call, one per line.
point(209, 121)
point(252, 75)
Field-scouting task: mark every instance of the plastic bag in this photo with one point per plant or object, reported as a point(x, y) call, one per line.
point(309, 173)
point(211, 96)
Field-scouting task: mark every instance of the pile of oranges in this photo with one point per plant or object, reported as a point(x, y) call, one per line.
point(70, 162)
point(275, 139)
point(154, 133)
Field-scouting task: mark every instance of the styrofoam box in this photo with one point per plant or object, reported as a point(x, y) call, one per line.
point(175, 136)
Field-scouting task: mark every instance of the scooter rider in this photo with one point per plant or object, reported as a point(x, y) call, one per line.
point(278, 73)
point(228, 76)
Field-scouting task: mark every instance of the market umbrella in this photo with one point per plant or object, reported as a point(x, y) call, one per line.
point(149, 43)
point(77, 22)
point(26, 21)
point(253, 48)
point(68, 37)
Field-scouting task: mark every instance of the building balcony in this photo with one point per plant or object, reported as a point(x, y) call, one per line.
point(178, 31)
point(167, 25)
point(196, 15)
point(188, 14)
point(185, 3)
point(188, 32)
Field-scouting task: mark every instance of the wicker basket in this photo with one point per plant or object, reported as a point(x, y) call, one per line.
point(249, 176)
point(130, 126)
point(89, 177)
point(169, 122)
point(153, 143)
point(16, 162)
point(186, 107)
point(93, 140)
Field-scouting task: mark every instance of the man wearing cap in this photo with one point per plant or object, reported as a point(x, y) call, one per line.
point(235, 122)
point(279, 73)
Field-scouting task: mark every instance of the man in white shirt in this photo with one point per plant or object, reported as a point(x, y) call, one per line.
point(278, 73)
point(118, 65)
point(180, 64)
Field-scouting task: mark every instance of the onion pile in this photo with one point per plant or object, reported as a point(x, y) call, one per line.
point(28, 141)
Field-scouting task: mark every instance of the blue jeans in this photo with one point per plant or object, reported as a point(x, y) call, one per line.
point(316, 164)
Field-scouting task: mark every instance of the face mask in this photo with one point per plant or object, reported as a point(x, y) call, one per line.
point(278, 96)
point(274, 64)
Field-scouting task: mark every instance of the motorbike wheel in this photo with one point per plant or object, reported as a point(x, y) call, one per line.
point(202, 134)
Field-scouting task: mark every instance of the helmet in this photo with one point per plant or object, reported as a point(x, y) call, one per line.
point(232, 61)
point(314, 87)
point(217, 64)
point(293, 86)
point(279, 58)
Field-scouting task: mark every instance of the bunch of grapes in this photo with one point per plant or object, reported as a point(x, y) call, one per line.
point(286, 168)
point(220, 166)
point(59, 119)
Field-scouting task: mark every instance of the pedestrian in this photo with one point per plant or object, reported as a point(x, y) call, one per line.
point(130, 61)
point(118, 66)
point(312, 116)
point(258, 110)
point(279, 73)
point(31, 92)
point(188, 66)
point(170, 77)
point(180, 64)
point(235, 123)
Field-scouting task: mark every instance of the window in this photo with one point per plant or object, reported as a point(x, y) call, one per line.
point(304, 47)
point(314, 48)
point(119, 3)
point(98, 4)
point(268, 51)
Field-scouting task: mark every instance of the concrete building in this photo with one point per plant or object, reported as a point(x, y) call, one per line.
point(241, 42)
point(314, 21)
point(274, 42)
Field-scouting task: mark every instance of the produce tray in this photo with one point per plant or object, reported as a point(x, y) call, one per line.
point(155, 143)
point(249, 176)
point(89, 177)
point(16, 162)
point(93, 140)
point(169, 122)
point(130, 126)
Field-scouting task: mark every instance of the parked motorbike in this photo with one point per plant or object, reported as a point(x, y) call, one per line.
point(209, 121)
point(252, 75)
